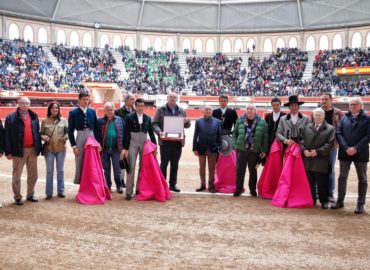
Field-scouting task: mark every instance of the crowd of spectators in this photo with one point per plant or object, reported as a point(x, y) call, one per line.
point(81, 64)
point(279, 73)
point(150, 71)
point(326, 61)
point(23, 66)
point(26, 67)
point(215, 74)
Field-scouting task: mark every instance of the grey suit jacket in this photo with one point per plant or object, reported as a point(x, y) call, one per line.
point(287, 129)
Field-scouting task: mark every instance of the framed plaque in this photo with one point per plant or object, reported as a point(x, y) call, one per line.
point(173, 128)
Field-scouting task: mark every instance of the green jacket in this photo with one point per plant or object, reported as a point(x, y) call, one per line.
point(261, 141)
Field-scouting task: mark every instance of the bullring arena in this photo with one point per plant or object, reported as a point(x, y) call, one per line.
point(251, 50)
point(191, 231)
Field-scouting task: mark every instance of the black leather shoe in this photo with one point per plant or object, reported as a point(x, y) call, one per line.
point(253, 193)
point(202, 188)
point(175, 188)
point(120, 190)
point(237, 194)
point(325, 206)
point(212, 190)
point(61, 195)
point(18, 202)
point(32, 199)
point(337, 205)
point(128, 197)
point(48, 197)
point(359, 209)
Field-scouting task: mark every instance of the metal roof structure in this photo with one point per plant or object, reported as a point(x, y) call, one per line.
point(196, 16)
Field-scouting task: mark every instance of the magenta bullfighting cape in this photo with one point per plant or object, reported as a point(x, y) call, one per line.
point(293, 189)
point(93, 188)
point(152, 184)
point(269, 179)
point(225, 175)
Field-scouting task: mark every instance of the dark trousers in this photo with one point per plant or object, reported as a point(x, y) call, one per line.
point(361, 169)
point(321, 180)
point(108, 158)
point(244, 158)
point(170, 153)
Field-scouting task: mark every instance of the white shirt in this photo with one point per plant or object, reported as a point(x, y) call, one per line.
point(84, 109)
point(294, 118)
point(275, 116)
point(140, 118)
point(223, 110)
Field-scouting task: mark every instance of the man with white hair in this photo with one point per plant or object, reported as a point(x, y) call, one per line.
point(23, 145)
point(250, 139)
point(353, 137)
point(170, 150)
point(110, 137)
point(206, 143)
point(318, 138)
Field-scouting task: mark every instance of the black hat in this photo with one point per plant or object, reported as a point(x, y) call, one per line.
point(226, 145)
point(292, 100)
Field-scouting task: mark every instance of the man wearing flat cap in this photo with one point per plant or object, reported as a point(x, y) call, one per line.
point(290, 129)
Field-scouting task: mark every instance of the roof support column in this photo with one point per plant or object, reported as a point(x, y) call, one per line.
point(138, 41)
point(178, 41)
point(301, 43)
point(53, 34)
point(346, 38)
point(4, 29)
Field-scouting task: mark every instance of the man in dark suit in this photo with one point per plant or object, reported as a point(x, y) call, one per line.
point(353, 137)
point(84, 121)
point(206, 143)
point(122, 112)
point(138, 127)
point(170, 150)
point(227, 115)
point(272, 119)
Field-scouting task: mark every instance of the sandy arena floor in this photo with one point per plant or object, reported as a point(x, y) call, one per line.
point(192, 231)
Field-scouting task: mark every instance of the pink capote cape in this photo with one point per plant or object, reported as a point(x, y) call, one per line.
point(93, 188)
point(269, 179)
point(225, 173)
point(152, 184)
point(293, 189)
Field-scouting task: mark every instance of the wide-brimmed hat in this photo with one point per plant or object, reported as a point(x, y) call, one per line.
point(292, 100)
point(226, 145)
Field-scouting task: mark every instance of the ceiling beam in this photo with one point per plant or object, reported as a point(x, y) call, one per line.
point(218, 15)
point(55, 10)
point(141, 14)
point(300, 13)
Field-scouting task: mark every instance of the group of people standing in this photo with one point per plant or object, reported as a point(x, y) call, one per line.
point(122, 133)
point(318, 138)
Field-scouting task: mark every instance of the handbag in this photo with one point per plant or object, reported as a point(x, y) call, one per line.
point(44, 150)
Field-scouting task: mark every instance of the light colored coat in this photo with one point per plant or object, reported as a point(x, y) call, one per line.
point(58, 139)
point(287, 129)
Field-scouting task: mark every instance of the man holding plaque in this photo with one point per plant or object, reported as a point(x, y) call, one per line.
point(169, 123)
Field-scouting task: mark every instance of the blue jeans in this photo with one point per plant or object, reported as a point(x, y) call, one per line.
point(333, 159)
point(109, 157)
point(49, 159)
